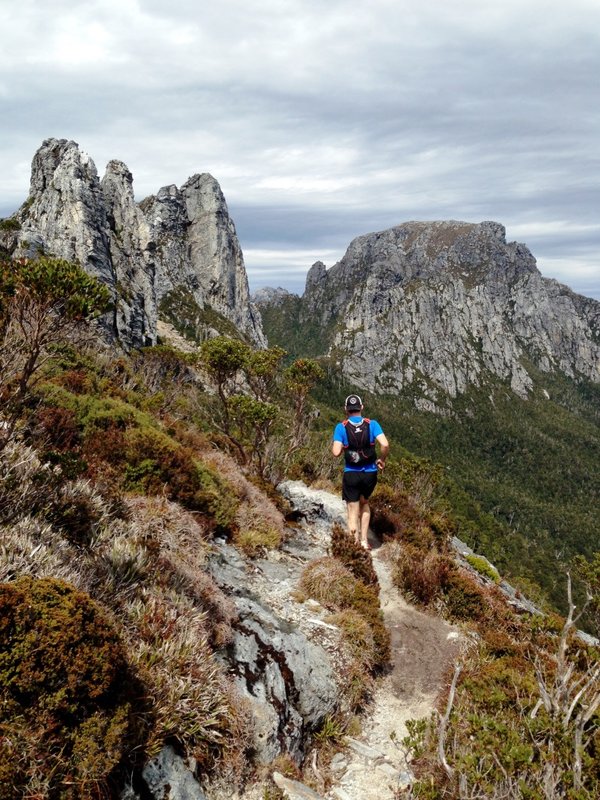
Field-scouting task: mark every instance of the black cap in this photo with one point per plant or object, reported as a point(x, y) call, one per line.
point(353, 403)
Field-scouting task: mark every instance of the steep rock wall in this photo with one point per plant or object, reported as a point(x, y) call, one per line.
point(441, 306)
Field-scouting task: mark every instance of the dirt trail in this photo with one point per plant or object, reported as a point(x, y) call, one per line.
point(423, 648)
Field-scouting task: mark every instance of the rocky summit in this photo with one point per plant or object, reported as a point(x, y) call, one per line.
point(175, 250)
point(438, 307)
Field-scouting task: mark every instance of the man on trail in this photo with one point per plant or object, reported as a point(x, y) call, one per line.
point(356, 437)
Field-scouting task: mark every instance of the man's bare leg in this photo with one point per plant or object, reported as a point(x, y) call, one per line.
point(365, 519)
point(353, 510)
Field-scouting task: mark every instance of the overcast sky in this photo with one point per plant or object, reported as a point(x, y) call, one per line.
point(325, 119)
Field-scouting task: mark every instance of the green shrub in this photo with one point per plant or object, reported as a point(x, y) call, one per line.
point(65, 691)
point(257, 540)
point(331, 731)
point(464, 597)
point(483, 567)
point(420, 575)
point(395, 515)
point(10, 224)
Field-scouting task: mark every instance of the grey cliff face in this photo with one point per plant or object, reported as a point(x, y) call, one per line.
point(440, 306)
point(180, 239)
point(197, 249)
point(269, 296)
point(132, 257)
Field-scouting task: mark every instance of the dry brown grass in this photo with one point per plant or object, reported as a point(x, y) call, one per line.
point(256, 509)
point(32, 547)
point(357, 635)
point(255, 533)
point(328, 581)
point(335, 587)
point(24, 481)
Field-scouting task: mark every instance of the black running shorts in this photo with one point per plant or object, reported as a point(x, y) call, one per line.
point(358, 484)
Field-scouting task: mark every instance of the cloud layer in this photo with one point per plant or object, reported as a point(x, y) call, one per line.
point(323, 121)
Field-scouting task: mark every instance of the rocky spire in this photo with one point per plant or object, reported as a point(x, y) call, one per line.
point(179, 240)
point(197, 249)
point(132, 256)
point(65, 214)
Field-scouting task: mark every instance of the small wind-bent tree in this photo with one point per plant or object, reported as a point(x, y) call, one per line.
point(224, 359)
point(245, 382)
point(253, 421)
point(43, 303)
point(299, 378)
point(255, 396)
point(263, 371)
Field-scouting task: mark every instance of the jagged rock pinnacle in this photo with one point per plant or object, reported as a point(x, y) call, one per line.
point(179, 240)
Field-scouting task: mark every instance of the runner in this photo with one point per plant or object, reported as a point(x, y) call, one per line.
point(356, 437)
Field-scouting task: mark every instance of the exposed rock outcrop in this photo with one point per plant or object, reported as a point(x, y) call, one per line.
point(267, 294)
point(178, 244)
point(286, 677)
point(440, 306)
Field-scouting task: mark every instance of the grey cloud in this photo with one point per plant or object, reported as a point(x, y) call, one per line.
point(321, 125)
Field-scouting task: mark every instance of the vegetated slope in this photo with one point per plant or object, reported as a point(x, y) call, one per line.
point(112, 481)
point(521, 477)
point(532, 466)
point(470, 358)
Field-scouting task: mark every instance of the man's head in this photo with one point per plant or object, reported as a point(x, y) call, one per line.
point(353, 404)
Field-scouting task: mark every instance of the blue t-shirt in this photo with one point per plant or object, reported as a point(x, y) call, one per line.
point(340, 435)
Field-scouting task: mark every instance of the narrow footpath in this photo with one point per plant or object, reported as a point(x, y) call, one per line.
point(423, 649)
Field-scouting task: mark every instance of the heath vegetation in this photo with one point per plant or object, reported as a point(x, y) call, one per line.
point(117, 471)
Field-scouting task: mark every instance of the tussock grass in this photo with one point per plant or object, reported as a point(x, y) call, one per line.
point(193, 701)
point(333, 585)
point(146, 565)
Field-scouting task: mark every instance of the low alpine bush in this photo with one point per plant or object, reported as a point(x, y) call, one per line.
point(66, 693)
point(353, 556)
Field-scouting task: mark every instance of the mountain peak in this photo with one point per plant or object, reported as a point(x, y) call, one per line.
point(433, 308)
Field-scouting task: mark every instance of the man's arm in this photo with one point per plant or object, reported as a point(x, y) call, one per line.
point(337, 444)
point(384, 449)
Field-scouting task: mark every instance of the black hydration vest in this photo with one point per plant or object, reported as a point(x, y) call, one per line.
point(359, 451)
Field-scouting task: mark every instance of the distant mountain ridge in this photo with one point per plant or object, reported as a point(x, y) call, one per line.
point(174, 254)
point(436, 307)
